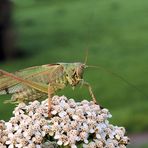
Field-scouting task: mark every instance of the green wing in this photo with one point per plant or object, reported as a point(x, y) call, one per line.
point(35, 77)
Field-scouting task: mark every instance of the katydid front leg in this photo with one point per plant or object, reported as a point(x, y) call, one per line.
point(90, 91)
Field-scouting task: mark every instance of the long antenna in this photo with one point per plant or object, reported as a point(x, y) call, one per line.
point(120, 77)
point(89, 26)
point(89, 33)
point(86, 57)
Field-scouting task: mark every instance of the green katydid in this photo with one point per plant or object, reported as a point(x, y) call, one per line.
point(39, 81)
point(35, 82)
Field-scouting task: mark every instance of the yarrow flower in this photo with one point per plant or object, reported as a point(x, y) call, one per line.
point(72, 123)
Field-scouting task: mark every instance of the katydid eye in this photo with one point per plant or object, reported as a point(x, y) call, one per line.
point(80, 71)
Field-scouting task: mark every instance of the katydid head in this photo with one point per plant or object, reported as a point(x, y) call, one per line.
point(74, 72)
point(78, 72)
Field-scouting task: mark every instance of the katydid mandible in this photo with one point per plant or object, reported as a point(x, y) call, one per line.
point(37, 82)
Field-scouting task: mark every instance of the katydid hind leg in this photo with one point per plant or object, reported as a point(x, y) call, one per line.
point(50, 93)
point(38, 86)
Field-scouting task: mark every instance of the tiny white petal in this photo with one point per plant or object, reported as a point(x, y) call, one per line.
point(62, 114)
point(91, 130)
point(85, 141)
point(16, 127)
point(38, 146)
point(30, 113)
point(73, 146)
point(98, 136)
point(8, 142)
point(11, 146)
point(75, 117)
point(117, 137)
point(10, 135)
point(59, 142)
point(57, 136)
point(19, 145)
point(66, 143)
point(54, 112)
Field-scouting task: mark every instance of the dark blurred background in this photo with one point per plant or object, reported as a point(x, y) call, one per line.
point(115, 33)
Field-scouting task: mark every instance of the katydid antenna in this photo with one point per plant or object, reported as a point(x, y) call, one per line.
point(119, 77)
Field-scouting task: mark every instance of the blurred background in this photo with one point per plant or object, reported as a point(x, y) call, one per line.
point(115, 33)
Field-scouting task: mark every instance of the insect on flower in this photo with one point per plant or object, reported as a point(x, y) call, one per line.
point(36, 82)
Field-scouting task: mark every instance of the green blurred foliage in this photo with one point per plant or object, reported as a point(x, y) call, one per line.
point(115, 34)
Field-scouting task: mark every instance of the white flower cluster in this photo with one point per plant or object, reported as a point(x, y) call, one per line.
point(28, 127)
point(3, 135)
point(72, 124)
point(75, 122)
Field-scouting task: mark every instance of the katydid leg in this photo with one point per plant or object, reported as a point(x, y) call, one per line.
point(50, 92)
point(90, 91)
